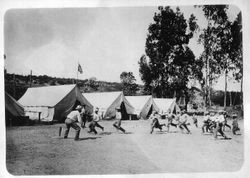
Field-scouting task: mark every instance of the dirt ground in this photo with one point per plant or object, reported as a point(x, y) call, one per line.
point(37, 150)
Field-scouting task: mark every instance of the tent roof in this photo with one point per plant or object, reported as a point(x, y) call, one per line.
point(45, 96)
point(15, 108)
point(164, 103)
point(138, 102)
point(102, 99)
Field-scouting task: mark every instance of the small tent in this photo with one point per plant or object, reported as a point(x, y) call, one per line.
point(143, 105)
point(108, 101)
point(164, 104)
point(52, 103)
point(14, 111)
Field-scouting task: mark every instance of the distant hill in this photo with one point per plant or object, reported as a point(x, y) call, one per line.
point(22, 82)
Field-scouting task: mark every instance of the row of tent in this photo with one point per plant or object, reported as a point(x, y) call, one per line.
point(53, 103)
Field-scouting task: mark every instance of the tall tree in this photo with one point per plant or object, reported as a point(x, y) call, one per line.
point(217, 38)
point(128, 83)
point(169, 62)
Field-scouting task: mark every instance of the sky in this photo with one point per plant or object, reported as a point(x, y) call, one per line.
point(105, 41)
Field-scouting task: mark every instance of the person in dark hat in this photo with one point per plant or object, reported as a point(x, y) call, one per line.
point(118, 122)
point(235, 125)
point(72, 119)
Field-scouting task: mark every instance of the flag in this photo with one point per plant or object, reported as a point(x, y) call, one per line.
point(80, 68)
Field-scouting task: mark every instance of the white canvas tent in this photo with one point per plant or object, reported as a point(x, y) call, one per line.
point(164, 104)
point(108, 101)
point(53, 103)
point(143, 105)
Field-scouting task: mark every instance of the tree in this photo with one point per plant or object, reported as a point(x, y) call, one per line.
point(128, 83)
point(169, 62)
point(219, 47)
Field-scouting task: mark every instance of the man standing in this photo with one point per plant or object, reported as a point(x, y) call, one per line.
point(94, 123)
point(71, 121)
point(118, 122)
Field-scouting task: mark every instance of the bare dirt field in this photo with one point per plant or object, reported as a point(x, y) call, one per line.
point(37, 150)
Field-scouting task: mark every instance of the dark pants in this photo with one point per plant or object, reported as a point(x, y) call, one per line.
point(84, 120)
point(226, 125)
point(117, 125)
point(181, 125)
point(156, 124)
point(218, 129)
point(235, 127)
point(196, 123)
point(70, 123)
point(92, 126)
point(205, 126)
point(170, 123)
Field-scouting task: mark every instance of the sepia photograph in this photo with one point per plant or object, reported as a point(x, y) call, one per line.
point(124, 90)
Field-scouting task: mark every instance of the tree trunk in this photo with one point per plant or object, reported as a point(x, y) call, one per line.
point(225, 93)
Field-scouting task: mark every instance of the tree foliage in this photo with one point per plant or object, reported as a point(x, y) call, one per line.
point(169, 62)
point(222, 41)
point(128, 83)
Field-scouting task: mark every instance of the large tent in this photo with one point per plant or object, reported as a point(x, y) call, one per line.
point(164, 104)
point(13, 107)
point(143, 105)
point(108, 101)
point(14, 111)
point(52, 103)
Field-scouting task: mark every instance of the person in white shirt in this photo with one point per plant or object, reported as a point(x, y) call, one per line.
point(219, 123)
point(118, 122)
point(72, 119)
point(94, 123)
point(183, 121)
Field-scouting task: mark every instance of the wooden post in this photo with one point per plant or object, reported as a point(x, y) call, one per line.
point(39, 117)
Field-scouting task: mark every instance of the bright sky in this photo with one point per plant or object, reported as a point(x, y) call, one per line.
point(105, 41)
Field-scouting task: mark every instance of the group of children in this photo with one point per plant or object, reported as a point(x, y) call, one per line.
point(214, 122)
